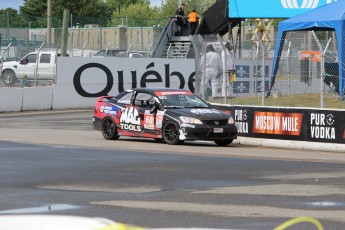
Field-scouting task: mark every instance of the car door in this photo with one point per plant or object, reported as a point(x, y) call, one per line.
point(127, 120)
point(45, 66)
point(147, 116)
point(27, 66)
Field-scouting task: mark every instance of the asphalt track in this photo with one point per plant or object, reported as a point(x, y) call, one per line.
point(40, 128)
point(200, 183)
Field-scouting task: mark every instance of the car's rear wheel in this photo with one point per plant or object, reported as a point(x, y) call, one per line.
point(171, 133)
point(109, 129)
point(9, 77)
point(223, 142)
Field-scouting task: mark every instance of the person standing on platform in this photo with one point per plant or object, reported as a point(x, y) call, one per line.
point(193, 18)
point(181, 20)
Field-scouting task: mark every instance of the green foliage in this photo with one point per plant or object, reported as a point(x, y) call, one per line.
point(9, 18)
point(198, 5)
point(139, 14)
point(34, 8)
point(36, 11)
point(169, 8)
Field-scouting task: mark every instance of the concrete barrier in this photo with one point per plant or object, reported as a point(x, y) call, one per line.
point(11, 99)
point(65, 97)
point(37, 98)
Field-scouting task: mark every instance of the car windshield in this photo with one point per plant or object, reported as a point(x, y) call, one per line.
point(180, 100)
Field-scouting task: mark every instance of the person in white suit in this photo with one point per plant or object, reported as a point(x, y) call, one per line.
point(213, 68)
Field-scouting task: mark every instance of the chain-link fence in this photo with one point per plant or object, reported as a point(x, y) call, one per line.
point(307, 72)
point(251, 80)
point(87, 35)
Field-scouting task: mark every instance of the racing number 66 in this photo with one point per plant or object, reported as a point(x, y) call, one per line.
point(149, 119)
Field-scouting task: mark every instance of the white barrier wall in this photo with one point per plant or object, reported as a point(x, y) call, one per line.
point(37, 98)
point(65, 97)
point(80, 81)
point(11, 99)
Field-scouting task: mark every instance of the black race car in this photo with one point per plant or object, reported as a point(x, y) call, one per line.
point(171, 115)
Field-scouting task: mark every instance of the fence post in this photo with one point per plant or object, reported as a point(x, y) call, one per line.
point(262, 47)
point(37, 58)
point(322, 67)
point(224, 69)
point(288, 67)
point(263, 74)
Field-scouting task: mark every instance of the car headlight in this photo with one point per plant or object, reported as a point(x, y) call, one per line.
point(231, 121)
point(190, 120)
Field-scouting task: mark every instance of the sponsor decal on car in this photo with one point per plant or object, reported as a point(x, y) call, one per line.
point(108, 109)
point(127, 102)
point(149, 120)
point(165, 93)
point(159, 119)
point(130, 119)
point(184, 125)
point(204, 111)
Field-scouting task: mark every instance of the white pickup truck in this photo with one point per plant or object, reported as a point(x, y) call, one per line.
point(30, 68)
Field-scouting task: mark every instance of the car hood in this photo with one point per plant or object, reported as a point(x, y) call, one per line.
point(9, 63)
point(199, 113)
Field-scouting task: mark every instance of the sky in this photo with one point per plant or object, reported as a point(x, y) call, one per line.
point(11, 3)
point(16, 3)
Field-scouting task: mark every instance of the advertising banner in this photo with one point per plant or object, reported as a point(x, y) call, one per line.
point(272, 8)
point(289, 123)
point(94, 77)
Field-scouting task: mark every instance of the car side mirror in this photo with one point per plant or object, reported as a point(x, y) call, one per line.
point(154, 105)
point(24, 61)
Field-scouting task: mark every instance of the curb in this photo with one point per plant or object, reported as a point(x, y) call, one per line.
point(287, 144)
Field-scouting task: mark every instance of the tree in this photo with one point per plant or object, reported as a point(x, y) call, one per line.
point(87, 11)
point(118, 5)
point(198, 5)
point(139, 14)
point(169, 8)
point(9, 17)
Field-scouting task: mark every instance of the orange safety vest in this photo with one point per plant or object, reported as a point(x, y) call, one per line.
point(192, 17)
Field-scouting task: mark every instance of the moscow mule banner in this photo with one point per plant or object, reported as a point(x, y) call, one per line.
point(289, 123)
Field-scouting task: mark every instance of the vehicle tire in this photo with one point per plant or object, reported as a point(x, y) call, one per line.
point(171, 133)
point(223, 142)
point(9, 77)
point(109, 129)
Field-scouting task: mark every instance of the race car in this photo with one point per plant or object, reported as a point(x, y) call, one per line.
point(165, 114)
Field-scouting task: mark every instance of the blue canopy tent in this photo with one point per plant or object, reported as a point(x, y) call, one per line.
point(326, 17)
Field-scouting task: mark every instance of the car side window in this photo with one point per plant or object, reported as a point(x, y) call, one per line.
point(45, 58)
point(142, 100)
point(32, 58)
point(126, 99)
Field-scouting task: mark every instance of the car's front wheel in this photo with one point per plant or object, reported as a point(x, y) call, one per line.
point(9, 77)
point(109, 129)
point(223, 142)
point(171, 133)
